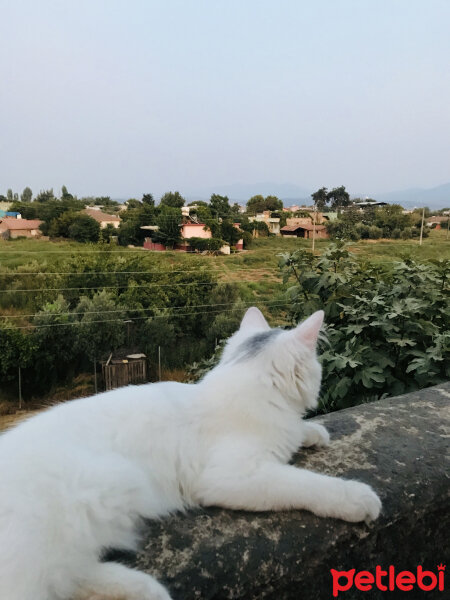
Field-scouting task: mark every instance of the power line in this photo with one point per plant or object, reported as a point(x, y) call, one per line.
point(115, 287)
point(78, 323)
point(160, 272)
point(131, 310)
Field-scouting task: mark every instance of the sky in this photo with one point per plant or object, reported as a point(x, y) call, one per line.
point(123, 97)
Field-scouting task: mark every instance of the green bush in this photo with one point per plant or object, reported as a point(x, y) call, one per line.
point(388, 329)
point(364, 231)
point(406, 233)
point(247, 239)
point(375, 233)
point(205, 244)
point(343, 230)
point(84, 229)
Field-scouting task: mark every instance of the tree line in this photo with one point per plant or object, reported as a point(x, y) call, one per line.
point(96, 304)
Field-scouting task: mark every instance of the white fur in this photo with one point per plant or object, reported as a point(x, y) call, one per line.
point(77, 478)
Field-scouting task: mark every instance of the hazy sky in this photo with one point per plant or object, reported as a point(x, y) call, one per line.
point(122, 97)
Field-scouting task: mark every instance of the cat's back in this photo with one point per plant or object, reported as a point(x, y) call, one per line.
point(98, 422)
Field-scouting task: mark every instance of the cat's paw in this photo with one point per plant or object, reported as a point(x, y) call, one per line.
point(360, 503)
point(315, 435)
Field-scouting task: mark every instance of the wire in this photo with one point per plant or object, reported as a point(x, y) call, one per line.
point(114, 287)
point(161, 272)
point(94, 312)
point(136, 318)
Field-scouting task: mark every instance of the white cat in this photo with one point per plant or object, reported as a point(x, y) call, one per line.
point(77, 478)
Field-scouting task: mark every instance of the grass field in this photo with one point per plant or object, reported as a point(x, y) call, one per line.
point(255, 271)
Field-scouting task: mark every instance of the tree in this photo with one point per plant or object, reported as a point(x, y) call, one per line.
point(339, 197)
point(172, 199)
point(391, 217)
point(273, 203)
point(55, 338)
point(236, 209)
point(10, 195)
point(108, 232)
point(28, 210)
point(27, 195)
point(97, 339)
point(220, 206)
point(148, 200)
point(133, 203)
point(60, 227)
point(230, 233)
point(84, 229)
point(169, 223)
point(65, 194)
point(258, 204)
point(198, 203)
point(45, 196)
point(16, 350)
point(320, 198)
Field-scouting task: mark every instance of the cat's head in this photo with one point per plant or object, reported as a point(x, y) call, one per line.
point(285, 359)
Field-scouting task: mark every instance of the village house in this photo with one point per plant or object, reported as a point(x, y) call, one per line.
point(104, 219)
point(439, 221)
point(8, 213)
point(273, 223)
point(189, 229)
point(11, 228)
point(304, 227)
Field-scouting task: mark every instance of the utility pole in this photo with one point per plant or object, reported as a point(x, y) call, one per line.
point(314, 229)
point(159, 362)
point(421, 227)
point(95, 376)
point(20, 388)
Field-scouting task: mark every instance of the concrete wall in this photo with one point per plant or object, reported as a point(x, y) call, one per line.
point(398, 445)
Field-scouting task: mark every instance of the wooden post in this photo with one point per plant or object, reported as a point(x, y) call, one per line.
point(421, 227)
point(314, 231)
point(95, 376)
point(159, 362)
point(20, 389)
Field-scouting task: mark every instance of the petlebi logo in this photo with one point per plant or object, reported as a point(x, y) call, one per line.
point(388, 580)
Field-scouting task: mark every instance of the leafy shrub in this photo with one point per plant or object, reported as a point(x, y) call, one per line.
point(247, 239)
point(388, 329)
point(364, 231)
point(205, 244)
point(375, 233)
point(342, 230)
point(406, 233)
point(84, 229)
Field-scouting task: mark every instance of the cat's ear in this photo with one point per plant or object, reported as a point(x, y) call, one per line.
point(308, 331)
point(254, 319)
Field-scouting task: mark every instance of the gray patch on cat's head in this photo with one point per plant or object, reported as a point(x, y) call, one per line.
point(255, 344)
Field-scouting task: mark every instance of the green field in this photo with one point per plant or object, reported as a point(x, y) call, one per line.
point(255, 271)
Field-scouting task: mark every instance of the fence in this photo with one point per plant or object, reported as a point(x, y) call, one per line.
point(123, 373)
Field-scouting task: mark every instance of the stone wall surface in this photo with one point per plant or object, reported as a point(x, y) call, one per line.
point(398, 445)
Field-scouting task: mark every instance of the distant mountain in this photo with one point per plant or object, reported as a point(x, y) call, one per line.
point(241, 192)
point(435, 198)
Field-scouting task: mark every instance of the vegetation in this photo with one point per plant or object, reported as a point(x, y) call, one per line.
point(66, 304)
point(375, 223)
point(388, 328)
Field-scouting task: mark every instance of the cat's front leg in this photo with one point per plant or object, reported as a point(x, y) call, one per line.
point(273, 486)
point(314, 434)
